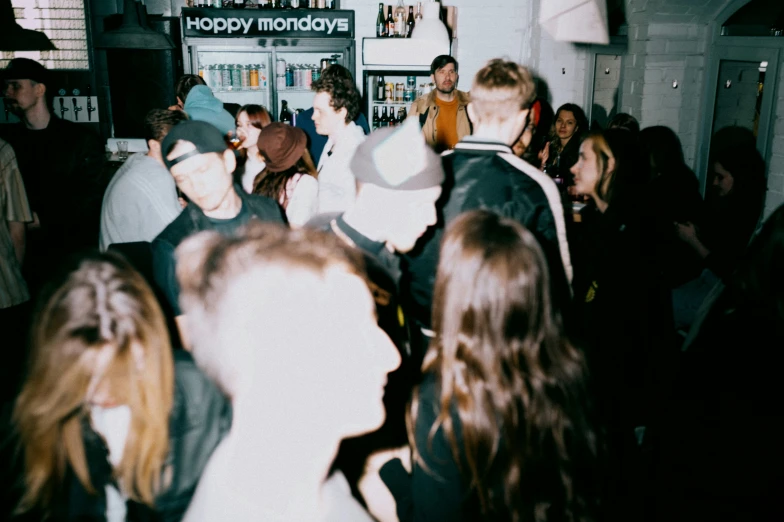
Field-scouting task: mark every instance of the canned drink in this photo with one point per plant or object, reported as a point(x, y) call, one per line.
point(399, 88)
point(263, 76)
point(288, 77)
point(253, 77)
point(245, 76)
point(236, 78)
point(225, 77)
point(297, 75)
point(315, 74)
point(307, 76)
point(280, 65)
point(215, 77)
point(408, 95)
point(411, 82)
point(280, 82)
point(389, 93)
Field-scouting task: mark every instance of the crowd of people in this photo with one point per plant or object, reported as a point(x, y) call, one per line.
point(489, 312)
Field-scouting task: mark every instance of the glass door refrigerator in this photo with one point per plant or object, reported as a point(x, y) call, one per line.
point(266, 56)
point(390, 90)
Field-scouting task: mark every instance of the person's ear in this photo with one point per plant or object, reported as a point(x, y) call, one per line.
point(432, 78)
point(40, 90)
point(229, 160)
point(343, 114)
point(180, 102)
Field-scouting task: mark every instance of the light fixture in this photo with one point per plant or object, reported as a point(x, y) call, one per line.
point(134, 33)
point(430, 27)
point(583, 21)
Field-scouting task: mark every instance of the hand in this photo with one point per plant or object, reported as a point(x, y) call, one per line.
point(686, 231)
point(36, 224)
point(544, 155)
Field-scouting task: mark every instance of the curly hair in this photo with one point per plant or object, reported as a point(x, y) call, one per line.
point(342, 91)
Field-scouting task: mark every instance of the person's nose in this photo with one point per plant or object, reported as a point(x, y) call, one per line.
point(574, 170)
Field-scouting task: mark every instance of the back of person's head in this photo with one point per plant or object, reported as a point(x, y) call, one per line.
point(626, 121)
point(441, 61)
point(185, 84)
point(98, 337)
point(337, 72)
point(735, 149)
point(258, 116)
point(622, 166)
point(502, 360)
point(159, 122)
point(501, 89)
point(663, 148)
point(342, 91)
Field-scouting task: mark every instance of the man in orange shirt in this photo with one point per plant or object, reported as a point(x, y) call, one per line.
point(442, 113)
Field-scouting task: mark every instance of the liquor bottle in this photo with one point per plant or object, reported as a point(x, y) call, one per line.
point(239, 4)
point(401, 114)
point(400, 20)
point(329, 4)
point(410, 22)
point(418, 16)
point(376, 119)
point(285, 113)
point(263, 4)
point(381, 24)
point(294, 4)
point(384, 121)
point(390, 23)
point(380, 86)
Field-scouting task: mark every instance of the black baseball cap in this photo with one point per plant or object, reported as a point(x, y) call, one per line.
point(204, 136)
point(26, 69)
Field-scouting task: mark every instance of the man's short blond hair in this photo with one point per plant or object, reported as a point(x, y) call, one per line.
point(500, 90)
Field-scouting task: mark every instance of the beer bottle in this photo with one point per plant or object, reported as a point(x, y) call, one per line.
point(401, 114)
point(384, 121)
point(390, 23)
point(418, 17)
point(400, 20)
point(285, 113)
point(376, 119)
point(381, 24)
point(410, 22)
point(380, 86)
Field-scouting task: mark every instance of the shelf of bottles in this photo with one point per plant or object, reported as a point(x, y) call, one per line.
point(392, 97)
point(264, 4)
point(397, 21)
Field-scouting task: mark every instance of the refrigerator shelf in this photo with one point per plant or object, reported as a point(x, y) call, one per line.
point(243, 91)
point(296, 90)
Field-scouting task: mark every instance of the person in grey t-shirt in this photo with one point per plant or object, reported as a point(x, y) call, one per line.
point(141, 199)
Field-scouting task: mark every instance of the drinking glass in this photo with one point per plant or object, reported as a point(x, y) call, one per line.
point(122, 150)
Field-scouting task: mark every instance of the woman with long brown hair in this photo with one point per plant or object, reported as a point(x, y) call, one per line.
point(499, 426)
point(289, 177)
point(251, 119)
point(105, 430)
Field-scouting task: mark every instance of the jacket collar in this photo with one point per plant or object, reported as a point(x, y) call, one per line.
point(462, 98)
point(473, 143)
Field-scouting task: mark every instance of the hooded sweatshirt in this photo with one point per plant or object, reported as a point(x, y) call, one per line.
point(202, 105)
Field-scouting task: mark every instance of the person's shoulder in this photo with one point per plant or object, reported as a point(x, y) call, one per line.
point(322, 221)
point(263, 207)
point(463, 97)
point(176, 231)
point(196, 397)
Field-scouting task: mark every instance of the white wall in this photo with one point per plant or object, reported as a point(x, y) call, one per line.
point(775, 196)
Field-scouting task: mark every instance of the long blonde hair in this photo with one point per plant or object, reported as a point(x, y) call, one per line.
point(101, 305)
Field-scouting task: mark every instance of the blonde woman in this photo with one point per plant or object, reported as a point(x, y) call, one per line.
point(103, 422)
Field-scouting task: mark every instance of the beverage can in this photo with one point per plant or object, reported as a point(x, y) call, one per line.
point(321, 4)
point(225, 77)
point(315, 74)
point(411, 82)
point(245, 77)
point(297, 71)
point(215, 78)
point(263, 76)
point(280, 82)
point(236, 78)
point(408, 95)
point(289, 77)
point(201, 71)
point(389, 93)
point(253, 77)
point(399, 88)
point(280, 65)
point(307, 76)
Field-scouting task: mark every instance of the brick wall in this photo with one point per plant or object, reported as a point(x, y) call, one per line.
point(775, 196)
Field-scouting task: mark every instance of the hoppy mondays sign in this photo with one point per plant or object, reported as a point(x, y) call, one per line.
point(292, 23)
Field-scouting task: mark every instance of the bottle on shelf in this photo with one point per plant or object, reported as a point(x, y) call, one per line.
point(239, 4)
point(376, 119)
point(384, 120)
point(285, 113)
point(381, 24)
point(390, 23)
point(329, 4)
point(380, 87)
point(418, 16)
point(400, 20)
point(410, 22)
point(294, 4)
point(402, 114)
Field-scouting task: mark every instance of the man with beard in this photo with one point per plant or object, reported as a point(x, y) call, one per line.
point(61, 164)
point(442, 113)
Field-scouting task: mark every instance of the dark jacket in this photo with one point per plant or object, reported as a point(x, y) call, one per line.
point(201, 416)
point(192, 220)
point(485, 175)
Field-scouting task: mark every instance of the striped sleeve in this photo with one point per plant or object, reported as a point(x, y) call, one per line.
point(16, 207)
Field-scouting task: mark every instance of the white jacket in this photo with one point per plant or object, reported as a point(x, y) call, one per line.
point(337, 185)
